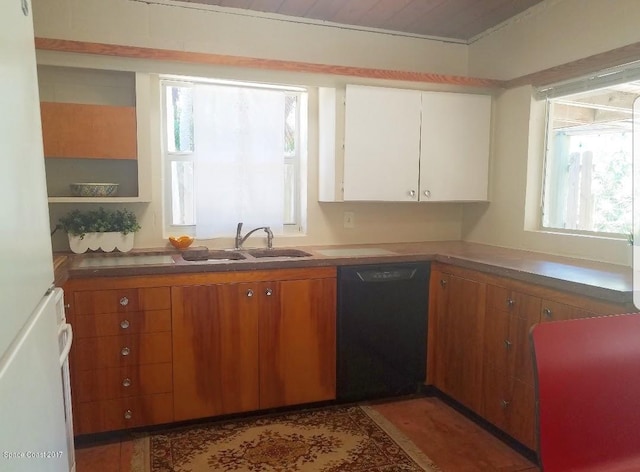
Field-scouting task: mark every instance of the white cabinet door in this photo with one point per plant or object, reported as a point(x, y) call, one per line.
point(454, 161)
point(382, 144)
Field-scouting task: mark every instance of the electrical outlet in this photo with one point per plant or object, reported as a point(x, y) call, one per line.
point(348, 219)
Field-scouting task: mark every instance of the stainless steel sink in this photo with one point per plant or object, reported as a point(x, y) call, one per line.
point(259, 253)
point(216, 255)
point(221, 255)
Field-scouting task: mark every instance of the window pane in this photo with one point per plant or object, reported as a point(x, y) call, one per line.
point(182, 193)
point(588, 174)
point(179, 119)
point(289, 194)
point(290, 122)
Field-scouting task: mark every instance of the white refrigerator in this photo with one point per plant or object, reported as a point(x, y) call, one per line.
point(34, 421)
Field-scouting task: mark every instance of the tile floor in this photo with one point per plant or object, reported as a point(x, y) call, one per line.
point(452, 441)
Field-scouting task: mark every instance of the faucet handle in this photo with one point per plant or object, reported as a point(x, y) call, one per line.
point(269, 237)
point(238, 241)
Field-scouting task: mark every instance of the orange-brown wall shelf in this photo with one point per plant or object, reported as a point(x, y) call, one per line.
point(74, 130)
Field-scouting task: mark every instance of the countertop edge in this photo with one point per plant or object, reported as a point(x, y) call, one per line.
point(563, 273)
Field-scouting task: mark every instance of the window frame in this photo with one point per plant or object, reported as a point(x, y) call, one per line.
point(302, 94)
point(550, 95)
point(167, 158)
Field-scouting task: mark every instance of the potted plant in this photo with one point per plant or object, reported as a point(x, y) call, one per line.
point(100, 229)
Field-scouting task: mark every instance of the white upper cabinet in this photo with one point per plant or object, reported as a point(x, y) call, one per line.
point(454, 146)
point(407, 145)
point(382, 144)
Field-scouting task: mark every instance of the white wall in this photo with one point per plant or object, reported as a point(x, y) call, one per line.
point(186, 28)
point(158, 26)
point(555, 33)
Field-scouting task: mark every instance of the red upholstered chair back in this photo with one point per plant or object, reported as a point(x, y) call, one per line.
point(588, 394)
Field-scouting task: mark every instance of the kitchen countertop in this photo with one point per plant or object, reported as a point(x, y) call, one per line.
point(595, 279)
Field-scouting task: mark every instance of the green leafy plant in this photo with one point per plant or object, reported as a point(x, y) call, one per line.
point(79, 223)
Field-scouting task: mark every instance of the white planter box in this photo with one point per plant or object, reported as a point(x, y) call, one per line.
point(105, 241)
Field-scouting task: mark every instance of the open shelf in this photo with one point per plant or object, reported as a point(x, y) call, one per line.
point(97, 199)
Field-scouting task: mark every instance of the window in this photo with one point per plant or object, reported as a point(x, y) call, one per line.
point(232, 152)
point(588, 175)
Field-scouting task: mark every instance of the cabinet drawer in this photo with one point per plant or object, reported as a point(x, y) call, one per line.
point(119, 351)
point(498, 299)
point(554, 311)
point(121, 300)
point(510, 405)
point(119, 382)
point(123, 413)
point(113, 324)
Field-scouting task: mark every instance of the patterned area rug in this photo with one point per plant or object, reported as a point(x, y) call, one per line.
point(337, 439)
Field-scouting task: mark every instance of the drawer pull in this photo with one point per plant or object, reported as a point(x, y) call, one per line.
point(128, 415)
point(547, 312)
point(249, 293)
point(125, 351)
point(504, 403)
point(124, 324)
point(268, 292)
point(443, 283)
point(507, 344)
point(126, 382)
point(124, 301)
point(510, 302)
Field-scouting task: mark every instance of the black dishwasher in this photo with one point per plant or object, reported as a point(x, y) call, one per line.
point(382, 329)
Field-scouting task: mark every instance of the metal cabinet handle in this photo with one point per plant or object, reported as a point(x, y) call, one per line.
point(504, 403)
point(125, 351)
point(124, 301)
point(412, 193)
point(427, 193)
point(268, 292)
point(507, 344)
point(126, 382)
point(128, 415)
point(124, 324)
point(67, 306)
point(249, 293)
point(443, 283)
point(510, 302)
point(547, 312)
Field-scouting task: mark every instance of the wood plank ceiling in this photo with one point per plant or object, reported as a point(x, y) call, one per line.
point(459, 20)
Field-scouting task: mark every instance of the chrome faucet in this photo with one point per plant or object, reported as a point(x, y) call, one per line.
point(241, 239)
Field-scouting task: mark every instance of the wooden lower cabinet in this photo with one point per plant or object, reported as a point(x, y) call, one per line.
point(479, 348)
point(215, 349)
point(242, 346)
point(120, 360)
point(298, 343)
point(158, 349)
point(508, 380)
point(458, 303)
